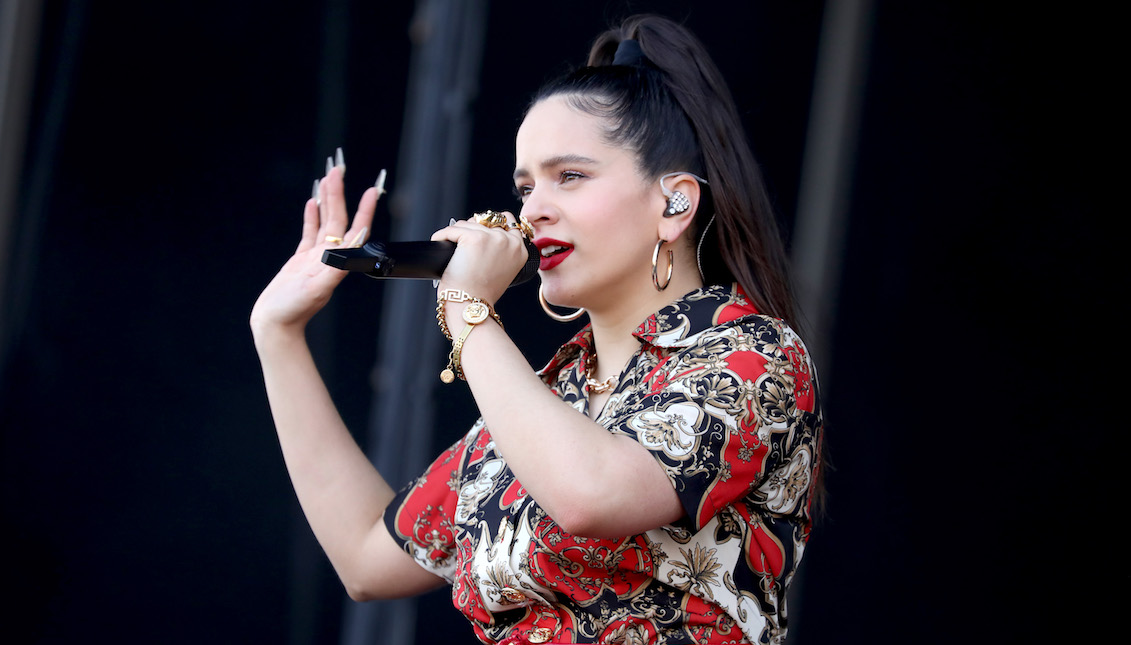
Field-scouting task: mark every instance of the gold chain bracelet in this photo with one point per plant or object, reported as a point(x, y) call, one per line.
point(474, 313)
point(458, 295)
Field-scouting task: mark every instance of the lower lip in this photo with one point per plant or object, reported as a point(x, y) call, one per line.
point(545, 264)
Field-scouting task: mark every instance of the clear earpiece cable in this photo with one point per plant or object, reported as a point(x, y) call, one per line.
point(699, 248)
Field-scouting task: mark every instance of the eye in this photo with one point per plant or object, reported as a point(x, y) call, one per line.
point(570, 175)
point(521, 192)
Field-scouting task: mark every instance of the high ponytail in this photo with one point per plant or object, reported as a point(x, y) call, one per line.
point(673, 109)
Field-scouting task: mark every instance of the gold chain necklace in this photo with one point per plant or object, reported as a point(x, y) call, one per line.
point(595, 386)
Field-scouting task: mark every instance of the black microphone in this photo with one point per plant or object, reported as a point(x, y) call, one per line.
point(413, 260)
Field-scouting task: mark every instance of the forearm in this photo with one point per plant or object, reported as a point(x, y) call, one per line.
point(341, 493)
point(590, 481)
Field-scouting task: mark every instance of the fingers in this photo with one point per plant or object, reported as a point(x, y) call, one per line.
point(445, 234)
point(310, 226)
point(335, 217)
point(363, 219)
point(505, 220)
point(326, 216)
point(490, 251)
point(488, 224)
point(461, 229)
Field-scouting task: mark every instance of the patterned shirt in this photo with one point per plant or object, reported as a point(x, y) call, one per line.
point(726, 401)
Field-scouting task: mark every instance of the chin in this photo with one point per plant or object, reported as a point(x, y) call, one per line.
point(559, 294)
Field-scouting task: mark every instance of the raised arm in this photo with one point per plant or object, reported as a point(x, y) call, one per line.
point(591, 482)
point(341, 493)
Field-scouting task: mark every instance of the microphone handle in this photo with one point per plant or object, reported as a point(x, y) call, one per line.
point(410, 260)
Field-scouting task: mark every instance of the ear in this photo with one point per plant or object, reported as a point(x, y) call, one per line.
point(671, 227)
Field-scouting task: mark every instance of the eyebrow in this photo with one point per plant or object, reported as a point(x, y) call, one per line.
point(560, 160)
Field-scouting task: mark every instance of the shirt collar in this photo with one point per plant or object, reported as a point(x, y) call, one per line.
point(676, 325)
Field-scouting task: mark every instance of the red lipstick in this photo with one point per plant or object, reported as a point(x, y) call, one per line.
point(561, 252)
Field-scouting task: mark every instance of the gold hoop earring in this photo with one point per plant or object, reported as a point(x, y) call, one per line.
point(556, 316)
point(655, 268)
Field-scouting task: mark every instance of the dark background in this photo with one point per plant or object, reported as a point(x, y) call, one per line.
point(170, 149)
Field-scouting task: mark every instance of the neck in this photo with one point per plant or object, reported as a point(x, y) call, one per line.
point(613, 326)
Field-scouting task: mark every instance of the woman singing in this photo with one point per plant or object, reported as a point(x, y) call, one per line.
point(653, 483)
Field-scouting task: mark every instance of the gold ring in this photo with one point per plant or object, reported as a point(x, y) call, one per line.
point(525, 227)
point(491, 219)
point(333, 239)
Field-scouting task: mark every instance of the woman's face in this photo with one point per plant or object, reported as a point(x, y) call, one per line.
point(595, 217)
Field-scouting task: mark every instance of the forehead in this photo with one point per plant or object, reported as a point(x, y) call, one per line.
point(554, 128)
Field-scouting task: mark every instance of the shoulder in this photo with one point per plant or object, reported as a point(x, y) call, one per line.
point(751, 333)
point(762, 358)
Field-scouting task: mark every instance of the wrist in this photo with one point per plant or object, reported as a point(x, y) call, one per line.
point(273, 336)
point(450, 307)
point(473, 312)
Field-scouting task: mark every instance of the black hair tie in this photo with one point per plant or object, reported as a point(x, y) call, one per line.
point(630, 54)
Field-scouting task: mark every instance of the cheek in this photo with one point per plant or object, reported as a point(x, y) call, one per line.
point(638, 216)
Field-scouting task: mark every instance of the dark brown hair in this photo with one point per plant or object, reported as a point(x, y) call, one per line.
point(673, 109)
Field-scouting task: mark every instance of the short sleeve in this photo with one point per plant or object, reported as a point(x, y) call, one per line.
point(724, 411)
point(420, 517)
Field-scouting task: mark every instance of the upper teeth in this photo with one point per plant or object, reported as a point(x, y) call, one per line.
point(547, 251)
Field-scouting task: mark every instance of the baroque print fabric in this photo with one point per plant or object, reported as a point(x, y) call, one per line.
point(726, 401)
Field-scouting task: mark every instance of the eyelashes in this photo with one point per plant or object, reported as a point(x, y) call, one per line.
point(565, 177)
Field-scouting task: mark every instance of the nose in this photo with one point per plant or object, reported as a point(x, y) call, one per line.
point(537, 208)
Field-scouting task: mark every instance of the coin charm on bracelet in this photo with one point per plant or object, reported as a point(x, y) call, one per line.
point(475, 313)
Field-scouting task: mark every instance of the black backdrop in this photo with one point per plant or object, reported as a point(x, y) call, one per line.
point(171, 146)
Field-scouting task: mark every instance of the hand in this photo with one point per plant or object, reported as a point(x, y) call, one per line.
point(486, 260)
point(304, 284)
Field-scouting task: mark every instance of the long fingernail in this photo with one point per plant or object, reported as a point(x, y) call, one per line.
point(340, 160)
point(329, 165)
point(314, 192)
point(360, 237)
point(380, 185)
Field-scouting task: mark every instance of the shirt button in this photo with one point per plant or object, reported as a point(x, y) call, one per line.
point(539, 635)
